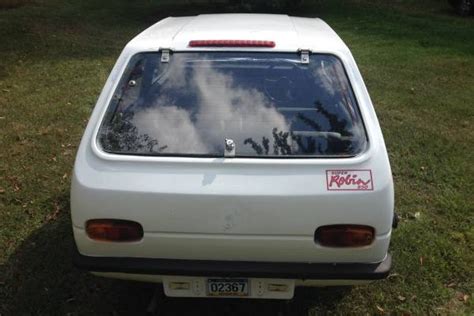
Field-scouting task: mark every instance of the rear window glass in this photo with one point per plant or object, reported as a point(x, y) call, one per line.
point(260, 104)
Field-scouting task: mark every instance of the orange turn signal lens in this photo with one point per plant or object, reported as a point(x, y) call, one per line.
point(114, 230)
point(345, 235)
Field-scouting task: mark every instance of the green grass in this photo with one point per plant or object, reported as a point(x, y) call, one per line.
point(417, 59)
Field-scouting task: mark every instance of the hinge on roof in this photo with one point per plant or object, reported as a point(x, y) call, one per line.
point(304, 56)
point(165, 55)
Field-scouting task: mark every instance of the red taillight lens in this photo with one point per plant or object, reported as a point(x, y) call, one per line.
point(114, 230)
point(345, 235)
point(231, 43)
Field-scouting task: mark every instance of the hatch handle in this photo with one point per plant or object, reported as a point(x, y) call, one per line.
point(229, 148)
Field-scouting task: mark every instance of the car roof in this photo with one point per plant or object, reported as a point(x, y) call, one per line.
point(288, 33)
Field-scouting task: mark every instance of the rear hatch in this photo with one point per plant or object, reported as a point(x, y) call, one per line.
point(256, 126)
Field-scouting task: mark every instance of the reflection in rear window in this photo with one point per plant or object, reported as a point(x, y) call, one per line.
point(268, 104)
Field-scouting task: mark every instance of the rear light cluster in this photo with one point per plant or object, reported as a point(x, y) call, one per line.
point(231, 43)
point(114, 230)
point(345, 235)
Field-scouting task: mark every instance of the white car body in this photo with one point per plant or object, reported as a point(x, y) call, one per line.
point(237, 210)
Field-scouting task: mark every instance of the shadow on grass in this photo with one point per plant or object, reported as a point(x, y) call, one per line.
point(51, 30)
point(39, 278)
point(91, 29)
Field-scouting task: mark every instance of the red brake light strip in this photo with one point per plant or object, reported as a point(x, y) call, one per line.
point(231, 43)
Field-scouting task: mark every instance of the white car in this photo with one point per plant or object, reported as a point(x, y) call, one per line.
point(234, 155)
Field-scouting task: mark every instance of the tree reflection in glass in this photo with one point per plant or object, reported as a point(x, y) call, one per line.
point(264, 102)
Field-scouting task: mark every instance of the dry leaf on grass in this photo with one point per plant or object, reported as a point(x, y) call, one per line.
point(53, 216)
point(15, 183)
point(380, 309)
point(462, 297)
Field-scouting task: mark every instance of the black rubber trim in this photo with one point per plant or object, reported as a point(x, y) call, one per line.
point(396, 220)
point(316, 271)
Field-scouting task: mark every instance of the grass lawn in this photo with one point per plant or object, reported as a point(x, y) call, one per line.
point(417, 59)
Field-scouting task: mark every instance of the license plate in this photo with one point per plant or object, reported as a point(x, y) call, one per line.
point(227, 287)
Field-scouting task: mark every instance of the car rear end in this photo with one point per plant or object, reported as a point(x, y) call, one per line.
point(236, 169)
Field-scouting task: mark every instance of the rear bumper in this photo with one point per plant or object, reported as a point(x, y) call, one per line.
point(303, 271)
